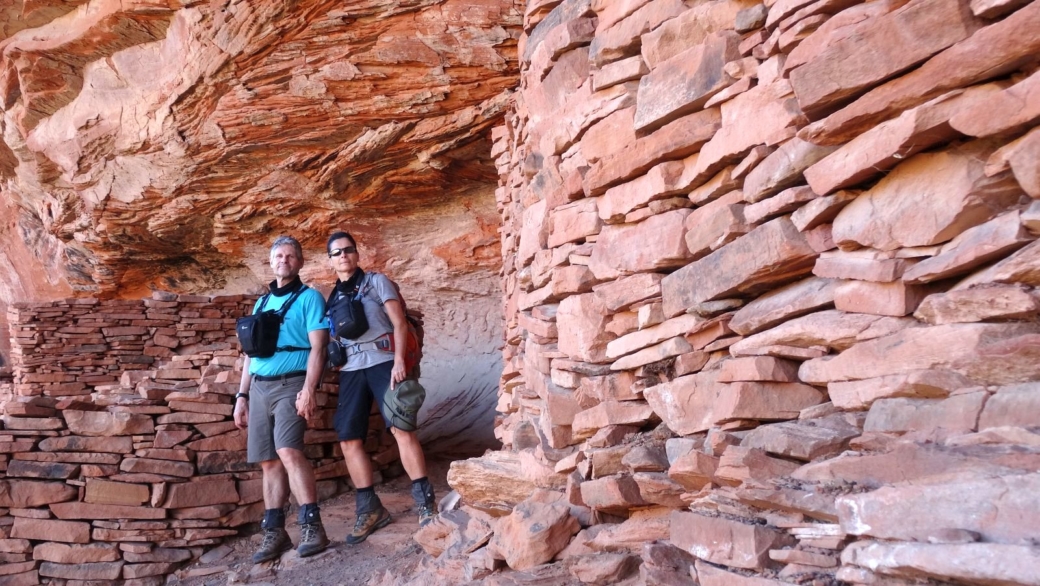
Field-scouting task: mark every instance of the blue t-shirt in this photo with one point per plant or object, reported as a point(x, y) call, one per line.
point(307, 314)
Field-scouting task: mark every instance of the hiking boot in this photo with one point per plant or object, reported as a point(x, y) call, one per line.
point(367, 523)
point(276, 541)
point(427, 511)
point(312, 539)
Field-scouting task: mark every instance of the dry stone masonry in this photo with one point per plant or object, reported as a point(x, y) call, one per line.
point(769, 276)
point(120, 459)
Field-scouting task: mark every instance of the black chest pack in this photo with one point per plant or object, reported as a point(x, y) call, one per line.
point(258, 333)
point(347, 314)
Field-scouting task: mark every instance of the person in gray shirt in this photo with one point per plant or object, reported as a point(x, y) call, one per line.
point(375, 362)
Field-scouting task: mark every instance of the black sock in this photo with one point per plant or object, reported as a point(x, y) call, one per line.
point(367, 500)
point(309, 513)
point(422, 491)
point(273, 519)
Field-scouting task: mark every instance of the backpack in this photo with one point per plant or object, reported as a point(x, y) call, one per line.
point(413, 318)
point(258, 333)
point(413, 351)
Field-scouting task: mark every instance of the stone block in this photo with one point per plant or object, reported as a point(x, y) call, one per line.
point(991, 563)
point(533, 533)
point(982, 304)
point(758, 368)
point(765, 401)
point(686, 403)
point(51, 530)
point(683, 83)
point(1014, 405)
point(769, 255)
point(972, 248)
point(957, 414)
point(653, 244)
point(103, 423)
point(889, 143)
point(831, 329)
point(724, 541)
point(991, 51)
point(999, 509)
point(853, 64)
point(581, 320)
point(782, 304)
point(893, 299)
point(612, 494)
point(607, 413)
point(574, 222)
point(660, 181)
point(920, 384)
point(621, 293)
point(782, 169)
point(984, 353)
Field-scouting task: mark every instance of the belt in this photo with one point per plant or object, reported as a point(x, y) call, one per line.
point(381, 343)
point(286, 376)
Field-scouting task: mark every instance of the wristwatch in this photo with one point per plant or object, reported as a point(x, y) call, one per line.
point(241, 396)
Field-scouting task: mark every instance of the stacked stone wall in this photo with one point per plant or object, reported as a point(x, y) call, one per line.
point(119, 457)
point(770, 282)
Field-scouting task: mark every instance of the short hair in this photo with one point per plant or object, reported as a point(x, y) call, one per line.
point(288, 241)
point(336, 236)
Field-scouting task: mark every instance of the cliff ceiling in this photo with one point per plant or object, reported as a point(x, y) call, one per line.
point(163, 144)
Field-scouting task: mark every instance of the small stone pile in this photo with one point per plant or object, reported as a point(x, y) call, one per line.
point(121, 457)
point(770, 279)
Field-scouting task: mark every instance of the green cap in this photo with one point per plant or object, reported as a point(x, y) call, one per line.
point(401, 404)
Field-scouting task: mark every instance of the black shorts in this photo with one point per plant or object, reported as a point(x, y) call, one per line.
point(357, 390)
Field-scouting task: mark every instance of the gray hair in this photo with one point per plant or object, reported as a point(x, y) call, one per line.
point(288, 241)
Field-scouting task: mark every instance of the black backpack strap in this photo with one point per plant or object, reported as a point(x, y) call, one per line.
point(281, 313)
point(285, 308)
point(263, 302)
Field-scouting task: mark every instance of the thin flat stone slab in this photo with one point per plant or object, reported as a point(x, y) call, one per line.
point(1021, 267)
point(956, 414)
point(891, 142)
point(782, 304)
point(853, 64)
point(725, 541)
point(918, 384)
point(771, 254)
point(973, 248)
point(987, 353)
point(995, 302)
point(990, 52)
point(928, 199)
point(1008, 112)
point(830, 328)
point(991, 563)
point(801, 440)
point(1002, 509)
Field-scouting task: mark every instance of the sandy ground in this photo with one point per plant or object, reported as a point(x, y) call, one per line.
point(341, 564)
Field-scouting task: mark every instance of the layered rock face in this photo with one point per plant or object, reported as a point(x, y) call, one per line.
point(164, 145)
point(770, 295)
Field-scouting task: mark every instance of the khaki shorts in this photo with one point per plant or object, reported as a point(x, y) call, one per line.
point(273, 421)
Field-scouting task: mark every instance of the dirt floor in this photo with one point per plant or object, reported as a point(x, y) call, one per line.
point(341, 564)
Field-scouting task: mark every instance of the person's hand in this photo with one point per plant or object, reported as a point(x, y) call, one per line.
point(305, 404)
point(398, 373)
point(241, 413)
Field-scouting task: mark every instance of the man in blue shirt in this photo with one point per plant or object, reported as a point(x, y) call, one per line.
point(277, 396)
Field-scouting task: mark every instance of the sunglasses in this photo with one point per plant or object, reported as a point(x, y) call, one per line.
point(345, 250)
